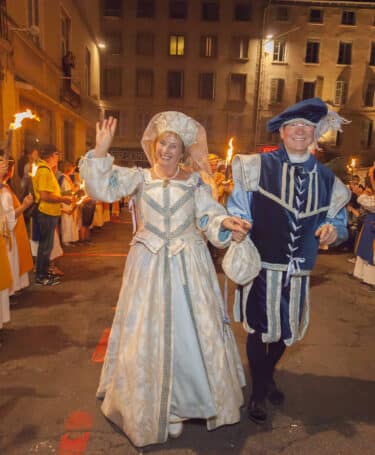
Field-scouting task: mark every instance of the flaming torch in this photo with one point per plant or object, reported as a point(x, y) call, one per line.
point(18, 118)
point(228, 158)
point(352, 166)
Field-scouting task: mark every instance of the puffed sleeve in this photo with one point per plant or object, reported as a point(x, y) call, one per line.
point(10, 214)
point(106, 182)
point(209, 216)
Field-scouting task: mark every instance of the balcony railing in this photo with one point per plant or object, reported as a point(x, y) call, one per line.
point(3, 20)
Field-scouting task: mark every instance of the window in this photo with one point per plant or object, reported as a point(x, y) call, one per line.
point(112, 81)
point(66, 26)
point(177, 45)
point(282, 14)
point(178, 9)
point(240, 47)
point(372, 54)
point(141, 121)
point(33, 18)
point(366, 133)
point(145, 83)
point(116, 115)
point(207, 122)
point(277, 90)
point(316, 16)
point(369, 95)
point(345, 54)
point(207, 86)
point(114, 43)
point(210, 11)
point(341, 93)
point(242, 11)
point(209, 46)
point(237, 87)
point(112, 8)
point(145, 43)
point(87, 72)
point(175, 84)
point(145, 8)
point(312, 52)
point(348, 18)
point(279, 51)
point(308, 90)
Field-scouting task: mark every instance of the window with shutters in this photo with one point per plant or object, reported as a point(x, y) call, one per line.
point(112, 81)
point(178, 9)
point(240, 47)
point(177, 45)
point(145, 43)
point(372, 54)
point(345, 53)
point(316, 16)
point(282, 14)
point(242, 11)
point(210, 11)
point(144, 83)
point(207, 86)
point(341, 93)
point(366, 133)
point(237, 87)
point(279, 53)
point(114, 43)
point(348, 18)
point(145, 8)
point(175, 83)
point(277, 90)
point(312, 51)
point(112, 8)
point(209, 46)
point(308, 90)
point(369, 95)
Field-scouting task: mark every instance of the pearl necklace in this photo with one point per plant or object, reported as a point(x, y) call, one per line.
point(164, 178)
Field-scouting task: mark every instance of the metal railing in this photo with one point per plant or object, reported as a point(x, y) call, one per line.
point(3, 20)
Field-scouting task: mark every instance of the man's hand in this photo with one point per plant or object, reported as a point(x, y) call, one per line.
point(104, 136)
point(239, 227)
point(27, 201)
point(327, 234)
point(66, 200)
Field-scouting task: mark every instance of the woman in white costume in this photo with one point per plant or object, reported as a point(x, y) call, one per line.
point(171, 354)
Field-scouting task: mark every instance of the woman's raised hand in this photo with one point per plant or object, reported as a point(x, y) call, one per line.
point(105, 132)
point(238, 226)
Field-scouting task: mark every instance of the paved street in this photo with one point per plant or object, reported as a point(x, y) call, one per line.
point(48, 377)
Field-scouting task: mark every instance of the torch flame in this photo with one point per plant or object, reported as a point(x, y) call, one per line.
point(82, 185)
point(230, 150)
point(353, 162)
point(19, 116)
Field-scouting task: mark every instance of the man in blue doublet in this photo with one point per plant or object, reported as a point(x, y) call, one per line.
point(294, 204)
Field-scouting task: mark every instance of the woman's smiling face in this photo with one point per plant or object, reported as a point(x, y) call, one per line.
point(168, 149)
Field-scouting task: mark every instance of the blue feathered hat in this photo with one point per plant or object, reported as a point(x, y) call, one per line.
point(312, 111)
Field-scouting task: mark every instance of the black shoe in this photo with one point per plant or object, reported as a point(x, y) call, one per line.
point(275, 396)
point(257, 412)
point(48, 281)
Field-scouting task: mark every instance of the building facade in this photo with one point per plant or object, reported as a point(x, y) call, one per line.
point(50, 64)
point(198, 57)
point(321, 48)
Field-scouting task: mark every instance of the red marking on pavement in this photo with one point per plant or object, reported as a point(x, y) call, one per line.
point(110, 255)
point(76, 443)
point(101, 348)
point(74, 446)
point(78, 420)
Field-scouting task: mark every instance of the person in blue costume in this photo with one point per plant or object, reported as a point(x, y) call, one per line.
point(294, 205)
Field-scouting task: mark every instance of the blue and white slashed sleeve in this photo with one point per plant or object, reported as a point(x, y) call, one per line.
point(105, 181)
point(209, 215)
